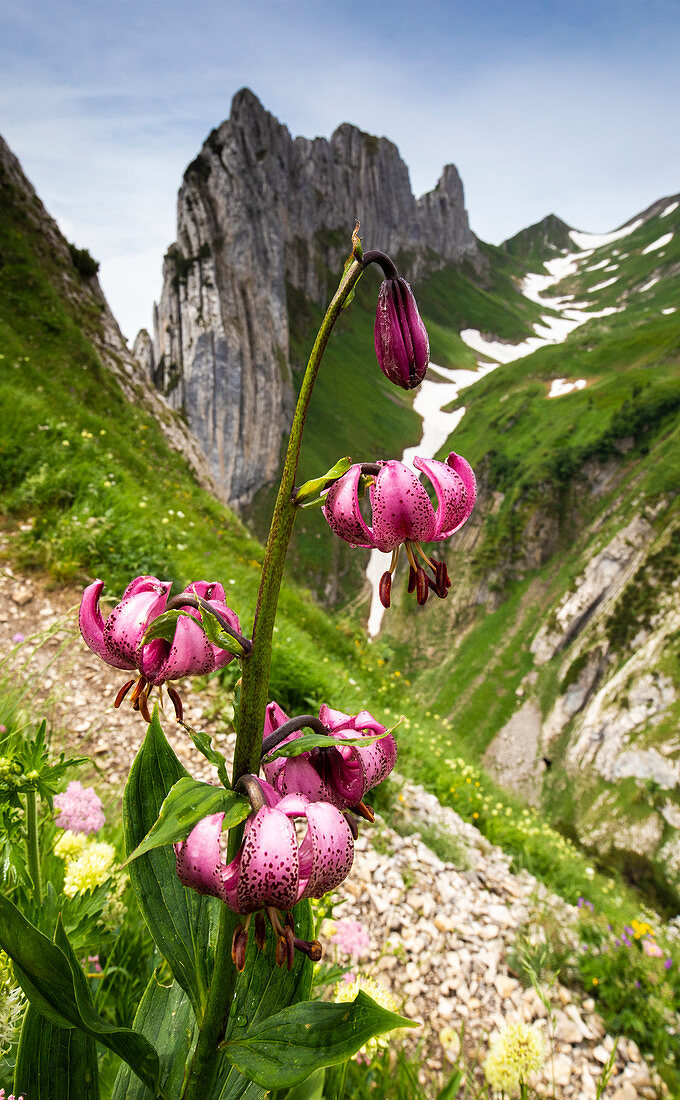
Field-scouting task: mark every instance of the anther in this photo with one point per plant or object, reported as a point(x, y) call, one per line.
point(177, 703)
point(412, 576)
point(143, 705)
point(422, 587)
point(385, 588)
point(238, 947)
point(313, 950)
point(362, 810)
point(122, 693)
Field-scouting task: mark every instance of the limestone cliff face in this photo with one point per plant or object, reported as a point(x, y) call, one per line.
point(258, 209)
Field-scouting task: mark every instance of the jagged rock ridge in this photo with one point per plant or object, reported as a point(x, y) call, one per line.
point(258, 209)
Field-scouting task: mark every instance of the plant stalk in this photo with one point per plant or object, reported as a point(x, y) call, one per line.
point(254, 694)
point(33, 845)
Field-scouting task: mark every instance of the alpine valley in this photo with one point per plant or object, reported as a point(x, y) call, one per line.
point(555, 660)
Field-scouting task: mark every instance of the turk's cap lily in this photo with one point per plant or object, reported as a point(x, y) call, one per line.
point(401, 342)
point(400, 506)
point(118, 639)
point(339, 774)
point(272, 869)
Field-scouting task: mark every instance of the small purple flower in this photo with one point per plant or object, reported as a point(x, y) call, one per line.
point(403, 515)
point(401, 342)
point(80, 809)
point(637, 985)
point(272, 870)
point(340, 774)
point(18, 638)
point(667, 964)
point(118, 640)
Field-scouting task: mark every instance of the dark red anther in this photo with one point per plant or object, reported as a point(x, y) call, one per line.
point(143, 706)
point(122, 693)
point(412, 577)
point(443, 582)
point(385, 588)
point(177, 703)
point(362, 810)
point(313, 950)
point(422, 587)
point(260, 931)
point(238, 947)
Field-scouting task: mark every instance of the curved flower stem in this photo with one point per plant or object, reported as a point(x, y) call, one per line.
point(255, 685)
point(254, 694)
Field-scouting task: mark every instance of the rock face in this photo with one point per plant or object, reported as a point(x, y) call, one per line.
point(104, 333)
point(259, 211)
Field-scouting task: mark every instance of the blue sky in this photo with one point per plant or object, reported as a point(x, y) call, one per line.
point(544, 107)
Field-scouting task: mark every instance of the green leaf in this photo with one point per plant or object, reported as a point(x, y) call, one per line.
point(203, 743)
point(165, 1017)
point(285, 1049)
point(310, 493)
point(164, 626)
point(179, 919)
point(262, 990)
point(218, 636)
point(310, 741)
point(56, 985)
point(311, 1089)
point(55, 1063)
point(186, 803)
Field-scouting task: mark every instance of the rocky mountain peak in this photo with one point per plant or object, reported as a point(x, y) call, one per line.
point(259, 211)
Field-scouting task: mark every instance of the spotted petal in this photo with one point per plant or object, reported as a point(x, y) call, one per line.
point(401, 508)
point(269, 871)
point(198, 857)
point(456, 489)
point(127, 623)
point(326, 853)
point(343, 513)
point(92, 627)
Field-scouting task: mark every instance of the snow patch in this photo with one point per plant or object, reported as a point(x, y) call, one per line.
point(597, 240)
point(669, 209)
point(669, 309)
point(655, 245)
point(559, 386)
point(601, 286)
point(649, 285)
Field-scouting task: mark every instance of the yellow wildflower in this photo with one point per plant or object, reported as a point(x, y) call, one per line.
point(516, 1052)
point(70, 845)
point(92, 867)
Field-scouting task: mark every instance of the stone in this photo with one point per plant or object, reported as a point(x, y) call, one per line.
point(627, 1091)
point(505, 986)
point(259, 210)
point(22, 595)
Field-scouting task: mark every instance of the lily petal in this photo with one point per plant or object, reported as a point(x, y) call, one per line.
point(127, 623)
point(456, 489)
point(92, 626)
point(198, 857)
point(270, 863)
point(343, 513)
point(326, 853)
point(401, 508)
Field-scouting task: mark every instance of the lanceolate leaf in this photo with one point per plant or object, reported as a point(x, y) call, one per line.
point(55, 984)
point(311, 492)
point(164, 626)
point(285, 1049)
point(216, 634)
point(179, 919)
point(55, 1063)
point(310, 741)
point(186, 803)
point(166, 1018)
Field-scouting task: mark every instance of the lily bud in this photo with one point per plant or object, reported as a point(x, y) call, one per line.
point(401, 342)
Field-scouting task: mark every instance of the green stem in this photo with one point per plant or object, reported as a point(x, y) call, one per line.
point(255, 684)
point(32, 845)
point(254, 694)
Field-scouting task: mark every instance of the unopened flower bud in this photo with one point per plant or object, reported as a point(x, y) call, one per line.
point(401, 342)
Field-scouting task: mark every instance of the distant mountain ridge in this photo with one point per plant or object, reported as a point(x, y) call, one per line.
point(259, 213)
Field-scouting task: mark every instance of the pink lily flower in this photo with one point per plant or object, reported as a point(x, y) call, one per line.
point(118, 640)
point(340, 774)
point(273, 870)
point(403, 515)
